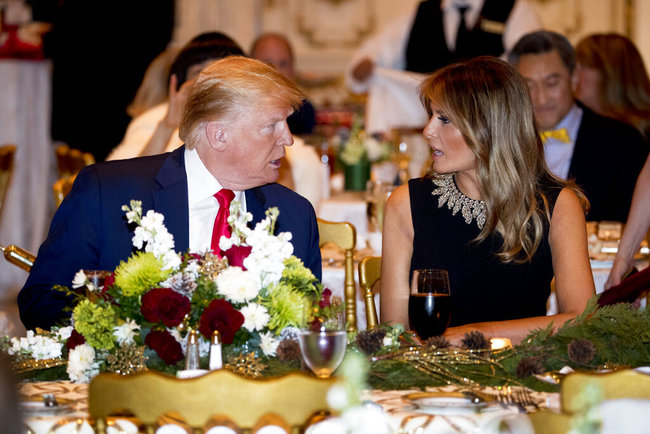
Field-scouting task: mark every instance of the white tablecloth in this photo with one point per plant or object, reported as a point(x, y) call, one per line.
point(25, 86)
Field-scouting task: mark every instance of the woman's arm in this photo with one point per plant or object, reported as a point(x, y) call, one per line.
point(574, 284)
point(636, 227)
point(397, 249)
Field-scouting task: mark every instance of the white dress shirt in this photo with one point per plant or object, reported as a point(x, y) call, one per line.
point(559, 154)
point(387, 49)
point(203, 206)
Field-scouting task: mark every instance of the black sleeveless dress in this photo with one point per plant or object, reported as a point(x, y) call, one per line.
point(482, 288)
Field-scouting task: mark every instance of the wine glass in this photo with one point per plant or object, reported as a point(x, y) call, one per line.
point(429, 302)
point(323, 350)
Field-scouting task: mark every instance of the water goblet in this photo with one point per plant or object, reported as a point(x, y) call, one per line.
point(323, 349)
point(429, 302)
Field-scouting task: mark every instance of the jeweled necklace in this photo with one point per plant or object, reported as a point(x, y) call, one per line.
point(456, 201)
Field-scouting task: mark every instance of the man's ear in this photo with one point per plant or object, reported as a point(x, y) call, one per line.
point(216, 135)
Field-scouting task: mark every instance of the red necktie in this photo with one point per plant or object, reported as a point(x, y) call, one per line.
point(221, 226)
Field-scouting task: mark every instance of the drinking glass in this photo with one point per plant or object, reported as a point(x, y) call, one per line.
point(323, 350)
point(429, 302)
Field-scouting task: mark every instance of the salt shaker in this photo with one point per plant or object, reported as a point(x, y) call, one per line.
point(216, 361)
point(192, 353)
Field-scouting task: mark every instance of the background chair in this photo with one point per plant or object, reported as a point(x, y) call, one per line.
point(70, 161)
point(7, 153)
point(343, 235)
point(369, 273)
point(62, 187)
point(220, 394)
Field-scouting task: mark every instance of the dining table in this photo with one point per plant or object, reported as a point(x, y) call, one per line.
point(401, 411)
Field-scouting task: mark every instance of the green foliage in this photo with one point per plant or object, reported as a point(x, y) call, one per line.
point(95, 322)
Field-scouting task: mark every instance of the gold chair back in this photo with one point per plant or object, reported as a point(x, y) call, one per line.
point(70, 161)
point(369, 273)
point(220, 395)
point(7, 153)
point(62, 187)
point(625, 383)
point(343, 235)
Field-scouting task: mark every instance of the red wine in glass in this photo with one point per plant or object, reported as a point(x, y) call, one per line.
point(429, 303)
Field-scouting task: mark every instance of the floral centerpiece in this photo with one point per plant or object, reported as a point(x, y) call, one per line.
point(357, 151)
point(258, 295)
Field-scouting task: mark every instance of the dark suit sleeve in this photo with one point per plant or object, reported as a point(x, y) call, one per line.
point(72, 244)
point(627, 176)
point(313, 260)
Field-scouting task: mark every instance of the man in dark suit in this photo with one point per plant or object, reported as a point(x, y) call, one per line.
point(602, 155)
point(234, 128)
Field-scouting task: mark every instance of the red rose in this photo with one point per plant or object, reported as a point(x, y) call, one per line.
point(220, 315)
point(75, 339)
point(237, 254)
point(163, 343)
point(164, 305)
point(326, 299)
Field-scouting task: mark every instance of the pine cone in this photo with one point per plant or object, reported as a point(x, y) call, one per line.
point(581, 351)
point(438, 342)
point(288, 350)
point(475, 341)
point(529, 366)
point(370, 341)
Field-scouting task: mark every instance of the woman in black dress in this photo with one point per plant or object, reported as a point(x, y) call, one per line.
point(489, 212)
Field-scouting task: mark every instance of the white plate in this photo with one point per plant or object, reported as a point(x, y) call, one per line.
point(36, 405)
point(445, 402)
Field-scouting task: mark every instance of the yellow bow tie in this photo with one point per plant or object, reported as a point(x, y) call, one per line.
point(561, 135)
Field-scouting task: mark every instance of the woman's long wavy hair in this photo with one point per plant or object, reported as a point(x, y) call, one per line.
point(488, 101)
point(625, 85)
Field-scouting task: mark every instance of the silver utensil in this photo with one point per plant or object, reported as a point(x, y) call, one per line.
point(49, 400)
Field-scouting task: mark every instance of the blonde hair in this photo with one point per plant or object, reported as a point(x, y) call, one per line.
point(154, 88)
point(625, 86)
point(488, 101)
point(231, 85)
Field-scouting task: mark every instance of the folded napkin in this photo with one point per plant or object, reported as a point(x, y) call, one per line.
point(628, 290)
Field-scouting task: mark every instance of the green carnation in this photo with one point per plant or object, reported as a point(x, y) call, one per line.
point(142, 272)
point(95, 323)
point(299, 277)
point(286, 306)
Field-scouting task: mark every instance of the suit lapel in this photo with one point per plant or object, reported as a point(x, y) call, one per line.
point(255, 203)
point(170, 198)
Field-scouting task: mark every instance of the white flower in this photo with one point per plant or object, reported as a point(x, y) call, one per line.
point(64, 333)
point(337, 397)
point(269, 343)
point(153, 221)
point(171, 260)
point(140, 236)
point(126, 332)
point(366, 419)
point(237, 285)
point(387, 342)
point(256, 317)
point(79, 279)
point(46, 348)
point(82, 365)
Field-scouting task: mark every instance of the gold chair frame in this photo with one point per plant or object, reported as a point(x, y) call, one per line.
point(344, 235)
point(70, 161)
point(369, 274)
point(62, 187)
point(220, 395)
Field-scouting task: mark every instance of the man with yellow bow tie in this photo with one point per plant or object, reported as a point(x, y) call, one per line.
point(602, 155)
